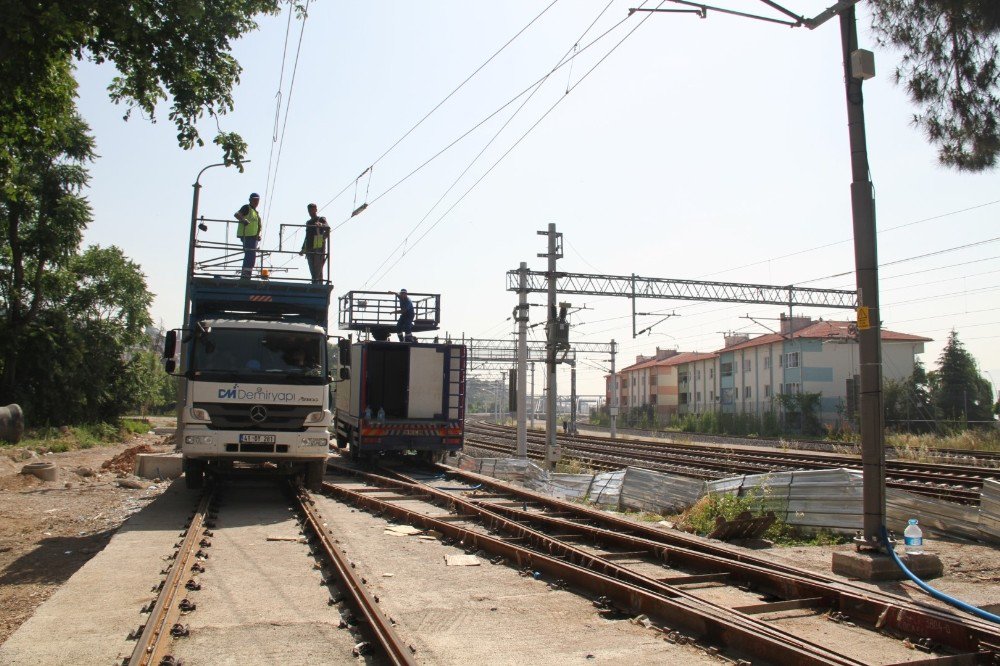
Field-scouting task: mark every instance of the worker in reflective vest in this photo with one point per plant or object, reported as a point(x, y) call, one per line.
point(248, 231)
point(314, 246)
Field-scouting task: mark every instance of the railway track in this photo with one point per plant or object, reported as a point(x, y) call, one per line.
point(156, 639)
point(725, 601)
point(958, 483)
point(945, 455)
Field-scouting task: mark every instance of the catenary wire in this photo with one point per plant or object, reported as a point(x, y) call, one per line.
point(277, 113)
point(496, 135)
point(519, 140)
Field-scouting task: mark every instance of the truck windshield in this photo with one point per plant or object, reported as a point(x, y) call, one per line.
point(229, 354)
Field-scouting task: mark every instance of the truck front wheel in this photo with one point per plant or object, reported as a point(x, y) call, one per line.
point(194, 474)
point(314, 475)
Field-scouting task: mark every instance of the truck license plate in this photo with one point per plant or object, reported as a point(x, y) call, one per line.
point(256, 439)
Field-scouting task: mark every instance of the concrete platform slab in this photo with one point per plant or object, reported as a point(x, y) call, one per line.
point(877, 566)
point(87, 620)
point(159, 465)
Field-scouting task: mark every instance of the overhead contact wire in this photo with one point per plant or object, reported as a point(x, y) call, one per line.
point(523, 136)
point(447, 97)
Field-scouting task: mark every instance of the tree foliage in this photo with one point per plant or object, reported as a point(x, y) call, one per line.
point(178, 51)
point(959, 392)
point(951, 71)
point(908, 403)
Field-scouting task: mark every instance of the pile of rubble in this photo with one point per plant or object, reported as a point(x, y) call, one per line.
point(124, 463)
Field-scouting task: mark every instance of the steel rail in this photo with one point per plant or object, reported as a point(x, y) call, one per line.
point(882, 610)
point(965, 483)
point(154, 642)
point(611, 459)
point(717, 624)
point(362, 600)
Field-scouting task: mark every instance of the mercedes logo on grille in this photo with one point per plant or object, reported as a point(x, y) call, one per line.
point(258, 413)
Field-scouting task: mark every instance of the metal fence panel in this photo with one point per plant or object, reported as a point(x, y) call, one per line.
point(989, 511)
point(936, 517)
point(647, 490)
point(606, 489)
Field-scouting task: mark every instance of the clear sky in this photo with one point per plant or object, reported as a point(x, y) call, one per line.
point(696, 149)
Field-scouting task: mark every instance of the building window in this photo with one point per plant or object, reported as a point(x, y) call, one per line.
point(697, 396)
point(746, 393)
point(791, 360)
point(746, 365)
point(711, 373)
point(792, 388)
point(767, 362)
point(736, 394)
point(767, 390)
point(726, 369)
point(697, 374)
point(711, 396)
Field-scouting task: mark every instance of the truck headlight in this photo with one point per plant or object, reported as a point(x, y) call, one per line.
point(199, 414)
point(315, 417)
point(316, 441)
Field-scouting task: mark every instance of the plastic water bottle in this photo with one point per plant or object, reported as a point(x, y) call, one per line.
point(381, 415)
point(913, 538)
point(368, 413)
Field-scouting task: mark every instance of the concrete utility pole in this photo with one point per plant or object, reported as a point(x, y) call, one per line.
point(866, 268)
point(572, 396)
point(521, 316)
point(533, 405)
point(551, 446)
point(613, 404)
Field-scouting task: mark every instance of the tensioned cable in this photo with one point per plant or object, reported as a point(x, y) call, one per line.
point(277, 112)
point(848, 240)
point(482, 122)
point(447, 97)
point(521, 138)
point(489, 143)
point(288, 105)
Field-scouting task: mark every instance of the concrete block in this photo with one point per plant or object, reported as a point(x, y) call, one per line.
point(877, 566)
point(158, 465)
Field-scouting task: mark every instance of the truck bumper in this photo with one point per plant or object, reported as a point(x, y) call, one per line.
point(200, 442)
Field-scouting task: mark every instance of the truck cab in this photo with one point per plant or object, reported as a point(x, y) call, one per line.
point(256, 390)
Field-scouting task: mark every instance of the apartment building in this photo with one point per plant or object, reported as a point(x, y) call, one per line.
point(748, 374)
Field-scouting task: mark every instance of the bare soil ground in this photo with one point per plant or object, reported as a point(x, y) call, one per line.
point(49, 529)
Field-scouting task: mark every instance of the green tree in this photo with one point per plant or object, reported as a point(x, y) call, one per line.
point(78, 360)
point(178, 51)
point(950, 70)
point(908, 404)
point(959, 392)
point(42, 213)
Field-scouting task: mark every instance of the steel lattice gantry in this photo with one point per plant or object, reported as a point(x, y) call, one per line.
point(633, 286)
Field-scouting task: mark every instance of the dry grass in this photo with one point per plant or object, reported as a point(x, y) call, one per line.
point(920, 447)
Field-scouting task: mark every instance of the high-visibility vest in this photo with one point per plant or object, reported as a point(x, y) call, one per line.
point(318, 241)
point(250, 225)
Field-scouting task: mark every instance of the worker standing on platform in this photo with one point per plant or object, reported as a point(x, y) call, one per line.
point(315, 244)
point(248, 231)
point(404, 327)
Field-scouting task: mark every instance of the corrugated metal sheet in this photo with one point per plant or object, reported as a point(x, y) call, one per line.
point(606, 489)
point(647, 490)
point(936, 517)
point(989, 511)
point(811, 500)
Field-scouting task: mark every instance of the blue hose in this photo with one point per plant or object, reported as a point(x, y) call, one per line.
point(968, 608)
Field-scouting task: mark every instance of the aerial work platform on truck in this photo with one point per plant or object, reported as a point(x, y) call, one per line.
point(254, 357)
point(377, 312)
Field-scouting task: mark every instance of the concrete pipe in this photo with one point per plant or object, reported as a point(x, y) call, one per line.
point(45, 471)
point(11, 423)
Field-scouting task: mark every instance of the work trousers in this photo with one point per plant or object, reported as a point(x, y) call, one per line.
point(249, 255)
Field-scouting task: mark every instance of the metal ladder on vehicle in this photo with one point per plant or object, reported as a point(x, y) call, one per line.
point(456, 385)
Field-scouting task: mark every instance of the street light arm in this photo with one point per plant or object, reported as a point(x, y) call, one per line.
point(829, 13)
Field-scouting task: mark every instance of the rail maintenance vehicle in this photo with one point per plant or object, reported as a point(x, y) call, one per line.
point(256, 387)
point(400, 397)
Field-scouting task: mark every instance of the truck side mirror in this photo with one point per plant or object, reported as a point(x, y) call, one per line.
point(345, 372)
point(170, 345)
point(344, 347)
